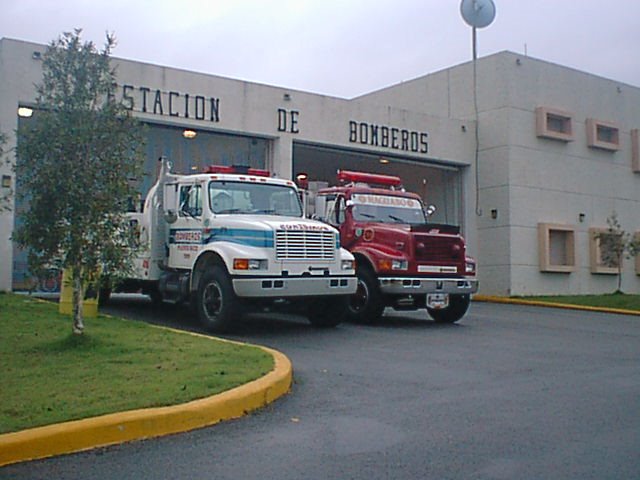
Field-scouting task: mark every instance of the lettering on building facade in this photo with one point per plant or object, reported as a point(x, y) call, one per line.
point(388, 137)
point(173, 104)
point(288, 120)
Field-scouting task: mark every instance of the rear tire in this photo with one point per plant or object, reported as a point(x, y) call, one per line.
point(458, 306)
point(366, 305)
point(327, 312)
point(216, 300)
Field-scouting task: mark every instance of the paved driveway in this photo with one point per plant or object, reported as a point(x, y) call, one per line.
point(511, 392)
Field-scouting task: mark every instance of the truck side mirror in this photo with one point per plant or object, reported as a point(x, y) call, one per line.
point(170, 216)
point(431, 209)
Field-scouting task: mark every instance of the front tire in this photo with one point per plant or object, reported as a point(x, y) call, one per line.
point(458, 306)
point(216, 300)
point(366, 305)
point(327, 312)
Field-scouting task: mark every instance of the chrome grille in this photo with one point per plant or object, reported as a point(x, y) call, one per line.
point(302, 245)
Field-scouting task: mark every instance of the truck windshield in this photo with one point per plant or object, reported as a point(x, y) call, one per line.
point(227, 197)
point(387, 209)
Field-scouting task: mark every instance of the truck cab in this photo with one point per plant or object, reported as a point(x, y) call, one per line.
point(403, 261)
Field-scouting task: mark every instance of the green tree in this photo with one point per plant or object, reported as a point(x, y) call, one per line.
point(616, 245)
point(76, 159)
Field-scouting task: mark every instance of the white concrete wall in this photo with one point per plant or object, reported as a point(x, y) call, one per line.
point(17, 73)
point(553, 181)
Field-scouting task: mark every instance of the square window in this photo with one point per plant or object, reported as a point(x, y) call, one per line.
point(554, 124)
point(607, 134)
point(603, 135)
point(601, 261)
point(556, 245)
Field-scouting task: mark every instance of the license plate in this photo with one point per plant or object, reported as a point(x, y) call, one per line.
point(438, 301)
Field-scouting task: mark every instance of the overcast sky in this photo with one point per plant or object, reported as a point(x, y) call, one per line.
point(339, 48)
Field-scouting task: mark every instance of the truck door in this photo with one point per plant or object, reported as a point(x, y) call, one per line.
point(340, 217)
point(185, 239)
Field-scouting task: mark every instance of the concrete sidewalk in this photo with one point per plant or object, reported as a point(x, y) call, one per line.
point(520, 301)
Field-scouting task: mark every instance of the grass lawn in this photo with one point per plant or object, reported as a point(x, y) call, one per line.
point(614, 300)
point(48, 375)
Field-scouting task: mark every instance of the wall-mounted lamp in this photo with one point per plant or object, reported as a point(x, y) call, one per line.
point(36, 55)
point(286, 97)
point(25, 112)
point(189, 134)
point(6, 181)
point(384, 160)
point(581, 217)
point(463, 128)
point(494, 213)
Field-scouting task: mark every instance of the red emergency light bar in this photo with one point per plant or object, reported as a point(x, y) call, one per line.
point(345, 176)
point(237, 169)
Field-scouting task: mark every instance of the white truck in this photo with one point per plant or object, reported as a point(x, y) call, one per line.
point(233, 238)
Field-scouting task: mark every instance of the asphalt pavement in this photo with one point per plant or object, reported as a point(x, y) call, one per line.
point(511, 392)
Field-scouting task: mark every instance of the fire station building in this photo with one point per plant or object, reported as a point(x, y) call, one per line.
point(530, 167)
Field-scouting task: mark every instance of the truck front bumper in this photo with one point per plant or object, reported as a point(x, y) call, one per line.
point(309, 286)
point(417, 286)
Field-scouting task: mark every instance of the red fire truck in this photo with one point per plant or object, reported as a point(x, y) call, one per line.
point(403, 261)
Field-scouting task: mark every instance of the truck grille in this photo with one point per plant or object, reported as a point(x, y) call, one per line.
point(439, 249)
point(302, 245)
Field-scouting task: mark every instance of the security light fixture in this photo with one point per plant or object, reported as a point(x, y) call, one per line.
point(25, 112)
point(189, 134)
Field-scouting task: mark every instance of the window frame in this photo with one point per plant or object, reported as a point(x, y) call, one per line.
point(635, 150)
point(543, 130)
point(594, 127)
point(545, 231)
point(595, 253)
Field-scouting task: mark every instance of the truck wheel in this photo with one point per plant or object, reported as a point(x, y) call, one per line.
point(327, 312)
point(458, 306)
point(366, 305)
point(216, 300)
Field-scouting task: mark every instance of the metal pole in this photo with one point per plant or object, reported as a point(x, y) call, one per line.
point(476, 129)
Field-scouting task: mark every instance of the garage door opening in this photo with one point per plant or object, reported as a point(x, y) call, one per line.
point(187, 153)
point(437, 184)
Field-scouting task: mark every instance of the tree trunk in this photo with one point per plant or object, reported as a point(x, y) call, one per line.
point(619, 280)
point(78, 297)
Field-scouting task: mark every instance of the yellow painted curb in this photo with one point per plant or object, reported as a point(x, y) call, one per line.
point(122, 427)
point(566, 306)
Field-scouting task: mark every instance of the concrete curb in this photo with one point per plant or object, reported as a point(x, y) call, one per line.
point(566, 306)
point(122, 427)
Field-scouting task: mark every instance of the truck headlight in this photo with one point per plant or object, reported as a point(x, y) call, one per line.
point(469, 267)
point(386, 264)
point(347, 265)
point(399, 265)
point(249, 264)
